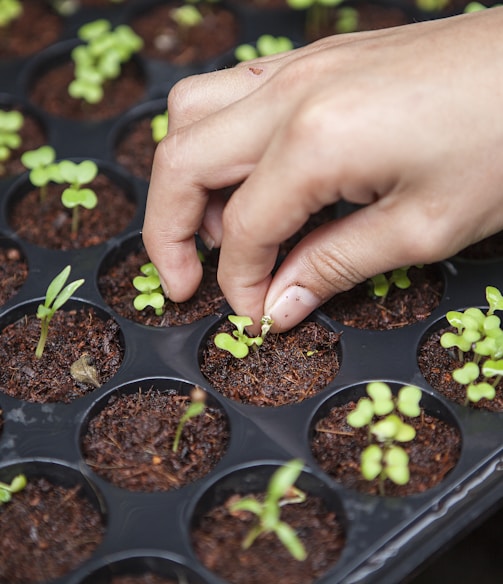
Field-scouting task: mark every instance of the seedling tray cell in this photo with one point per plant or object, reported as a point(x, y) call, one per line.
point(386, 538)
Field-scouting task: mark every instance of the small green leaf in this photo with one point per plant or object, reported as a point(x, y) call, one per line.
point(382, 397)
point(494, 298)
point(284, 478)
point(476, 392)
point(289, 539)
point(371, 462)
point(362, 414)
point(408, 400)
point(397, 465)
point(227, 343)
point(466, 374)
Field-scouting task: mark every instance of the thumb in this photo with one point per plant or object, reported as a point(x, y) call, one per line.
point(385, 235)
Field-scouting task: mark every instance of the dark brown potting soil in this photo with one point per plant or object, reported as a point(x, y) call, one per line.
point(437, 365)
point(32, 136)
point(46, 531)
point(116, 287)
point(166, 41)
point(49, 91)
point(359, 309)
point(49, 224)
point(13, 272)
point(130, 441)
point(218, 535)
point(19, 40)
point(433, 453)
point(73, 335)
point(287, 368)
point(135, 148)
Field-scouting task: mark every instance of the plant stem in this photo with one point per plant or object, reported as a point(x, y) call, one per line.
point(75, 220)
point(44, 329)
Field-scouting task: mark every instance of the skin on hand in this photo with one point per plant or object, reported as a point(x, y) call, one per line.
point(403, 121)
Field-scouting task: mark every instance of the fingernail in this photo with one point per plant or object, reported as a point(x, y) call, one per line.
point(206, 238)
point(292, 306)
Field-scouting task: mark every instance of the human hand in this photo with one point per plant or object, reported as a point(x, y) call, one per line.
point(404, 121)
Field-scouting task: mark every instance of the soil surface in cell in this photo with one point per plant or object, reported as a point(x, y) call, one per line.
point(433, 453)
point(48, 223)
point(130, 442)
point(288, 368)
point(116, 286)
point(219, 534)
point(358, 308)
point(165, 40)
point(13, 272)
point(82, 352)
point(46, 531)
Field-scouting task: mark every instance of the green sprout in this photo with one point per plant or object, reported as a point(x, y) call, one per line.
point(383, 414)
point(9, 11)
point(57, 294)
point(75, 196)
point(42, 167)
point(17, 484)
point(266, 45)
point(196, 408)
point(186, 16)
point(382, 283)
point(280, 491)
point(101, 57)
point(150, 290)
point(478, 339)
point(159, 126)
point(431, 5)
point(239, 343)
point(347, 20)
point(11, 123)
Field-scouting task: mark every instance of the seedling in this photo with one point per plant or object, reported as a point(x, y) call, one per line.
point(75, 196)
point(186, 16)
point(431, 5)
point(239, 343)
point(9, 11)
point(196, 408)
point(11, 123)
point(150, 290)
point(383, 414)
point(266, 45)
point(382, 283)
point(478, 338)
point(159, 126)
point(42, 167)
point(101, 57)
point(17, 484)
point(57, 294)
point(347, 20)
point(280, 491)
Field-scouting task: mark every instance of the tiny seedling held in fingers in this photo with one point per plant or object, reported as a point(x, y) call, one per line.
point(381, 283)
point(150, 290)
point(238, 344)
point(195, 408)
point(17, 484)
point(280, 491)
point(57, 294)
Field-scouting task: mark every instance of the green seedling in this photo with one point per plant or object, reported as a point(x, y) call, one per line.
point(266, 45)
point(477, 7)
point(75, 196)
point(150, 290)
point(432, 5)
point(347, 20)
point(101, 57)
point(57, 294)
point(10, 10)
point(478, 339)
point(42, 168)
point(195, 408)
point(159, 126)
point(239, 343)
point(11, 122)
point(186, 16)
point(383, 414)
point(382, 283)
point(17, 484)
point(280, 491)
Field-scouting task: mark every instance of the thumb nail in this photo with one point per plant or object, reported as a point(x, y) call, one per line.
point(292, 306)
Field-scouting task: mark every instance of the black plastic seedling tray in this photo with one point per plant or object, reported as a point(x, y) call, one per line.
point(387, 538)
